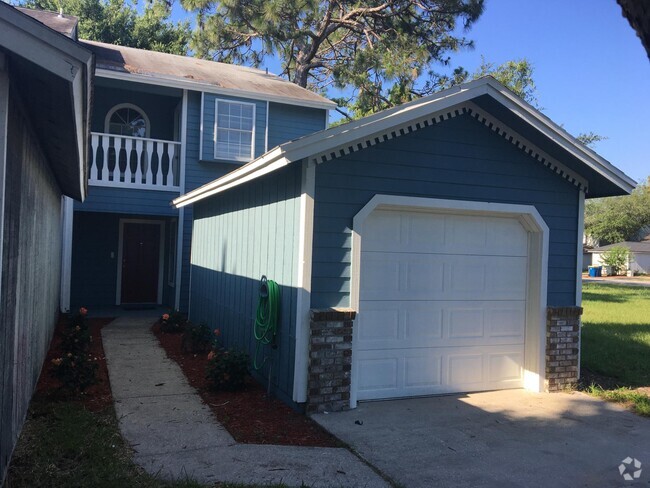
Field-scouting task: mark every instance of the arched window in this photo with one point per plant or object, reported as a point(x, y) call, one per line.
point(127, 120)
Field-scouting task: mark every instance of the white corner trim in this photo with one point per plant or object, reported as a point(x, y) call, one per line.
point(581, 231)
point(303, 283)
point(4, 125)
point(181, 212)
point(266, 128)
point(201, 133)
point(538, 232)
point(67, 219)
point(115, 108)
point(161, 256)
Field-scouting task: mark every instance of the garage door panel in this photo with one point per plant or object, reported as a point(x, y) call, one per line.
point(401, 373)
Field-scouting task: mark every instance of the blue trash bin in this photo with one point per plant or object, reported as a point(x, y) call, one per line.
point(599, 270)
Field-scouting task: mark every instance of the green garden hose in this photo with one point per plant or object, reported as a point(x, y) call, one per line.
point(266, 318)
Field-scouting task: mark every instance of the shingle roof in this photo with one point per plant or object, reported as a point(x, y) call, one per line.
point(203, 74)
point(63, 24)
point(640, 247)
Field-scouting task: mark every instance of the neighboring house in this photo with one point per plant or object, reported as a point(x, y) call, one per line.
point(639, 255)
point(45, 86)
point(431, 248)
point(163, 125)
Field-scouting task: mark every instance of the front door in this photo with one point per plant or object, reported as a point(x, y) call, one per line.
point(140, 262)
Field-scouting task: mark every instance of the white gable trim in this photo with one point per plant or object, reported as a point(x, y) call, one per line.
point(371, 130)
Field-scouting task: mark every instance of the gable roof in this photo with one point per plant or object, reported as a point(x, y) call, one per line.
point(63, 24)
point(587, 170)
point(142, 66)
point(54, 74)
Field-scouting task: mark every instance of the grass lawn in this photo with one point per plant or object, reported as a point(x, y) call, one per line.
point(616, 339)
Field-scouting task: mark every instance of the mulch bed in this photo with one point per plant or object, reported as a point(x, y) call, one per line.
point(95, 398)
point(249, 415)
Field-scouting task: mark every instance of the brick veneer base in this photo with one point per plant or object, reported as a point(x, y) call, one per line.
point(330, 360)
point(562, 347)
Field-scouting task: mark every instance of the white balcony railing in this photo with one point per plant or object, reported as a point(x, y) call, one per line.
point(134, 162)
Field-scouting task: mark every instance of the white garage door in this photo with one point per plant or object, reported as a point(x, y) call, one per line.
point(442, 304)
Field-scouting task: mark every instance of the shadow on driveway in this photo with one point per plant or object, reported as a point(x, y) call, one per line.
point(510, 438)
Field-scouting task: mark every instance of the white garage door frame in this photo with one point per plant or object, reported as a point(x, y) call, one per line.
point(538, 234)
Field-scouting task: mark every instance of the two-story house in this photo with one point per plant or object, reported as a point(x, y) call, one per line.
point(163, 125)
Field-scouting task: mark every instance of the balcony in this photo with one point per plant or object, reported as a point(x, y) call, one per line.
point(134, 162)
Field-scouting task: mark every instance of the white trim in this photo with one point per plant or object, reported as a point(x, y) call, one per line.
point(67, 220)
point(4, 126)
point(122, 184)
point(173, 242)
point(109, 114)
point(303, 283)
point(400, 120)
point(530, 219)
point(181, 212)
point(327, 119)
point(201, 133)
point(216, 126)
point(206, 87)
point(266, 128)
point(161, 256)
point(579, 258)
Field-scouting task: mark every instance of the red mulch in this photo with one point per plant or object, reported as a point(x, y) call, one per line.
point(98, 396)
point(249, 415)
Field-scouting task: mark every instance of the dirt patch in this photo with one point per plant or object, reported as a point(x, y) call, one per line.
point(249, 415)
point(95, 398)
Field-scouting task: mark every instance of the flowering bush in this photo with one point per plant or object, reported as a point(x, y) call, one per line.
point(198, 339)
point(172, 323)
point(227, 369)
point(76, 369)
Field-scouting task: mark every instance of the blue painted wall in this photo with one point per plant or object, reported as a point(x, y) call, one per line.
point(238, 237)
point(128, 201)
point(457, 159)
point(288, 122)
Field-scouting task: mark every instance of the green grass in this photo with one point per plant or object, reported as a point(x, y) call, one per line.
point(639, 402)
point(64, 444)
point(616, 332)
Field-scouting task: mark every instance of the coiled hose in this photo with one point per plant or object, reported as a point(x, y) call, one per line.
point(266, 318)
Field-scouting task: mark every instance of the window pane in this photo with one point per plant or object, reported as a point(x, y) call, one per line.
point(234, 130)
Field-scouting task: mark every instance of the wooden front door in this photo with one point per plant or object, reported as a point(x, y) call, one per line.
point(140, 262)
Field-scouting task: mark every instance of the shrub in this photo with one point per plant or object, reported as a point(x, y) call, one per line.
point(227, 369)
point(172, 323)
point(197, 339)
point(75, 368)
point(618, 257)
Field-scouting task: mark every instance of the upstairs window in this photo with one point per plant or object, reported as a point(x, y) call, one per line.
point(234, 131)
point(127, 120)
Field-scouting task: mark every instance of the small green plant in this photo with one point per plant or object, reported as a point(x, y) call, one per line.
point(198, 339)
point(618, 257)
point(227, 369)
point(639, 402)
point(75, 368)
point(173, 323)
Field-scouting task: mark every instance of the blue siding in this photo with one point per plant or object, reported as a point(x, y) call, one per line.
point(127, 200)
point(457, 159)
point(209, 105)
point(158, 108)
point(288, 122)
point(238, 237)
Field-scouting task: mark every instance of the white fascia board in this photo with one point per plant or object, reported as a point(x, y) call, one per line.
point(561, 137)
point(162, 80)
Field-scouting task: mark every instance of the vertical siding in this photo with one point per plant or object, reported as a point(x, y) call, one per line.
point(31, 273)
point(458, 159)
point(288, 122)
point(238, 237)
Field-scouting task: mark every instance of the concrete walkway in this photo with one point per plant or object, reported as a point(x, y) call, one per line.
point(174, 434)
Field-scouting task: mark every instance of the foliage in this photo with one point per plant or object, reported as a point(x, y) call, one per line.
point(640, 402)
point(172, 323)
point(199, 338)
point(617, 257)
point(75, 368)
point(227, 369)
point(119, 22)
point(377, 48)
point(616, 219)
point(616, 332)
point(590, 138)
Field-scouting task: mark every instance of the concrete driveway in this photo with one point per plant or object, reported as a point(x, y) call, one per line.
point(509, 438)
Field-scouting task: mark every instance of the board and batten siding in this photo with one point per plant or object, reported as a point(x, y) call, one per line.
point(457, 159)
point(31, 273)
point(288, 122)
point(239, 236)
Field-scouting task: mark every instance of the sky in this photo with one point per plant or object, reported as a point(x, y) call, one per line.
point(591, 70)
